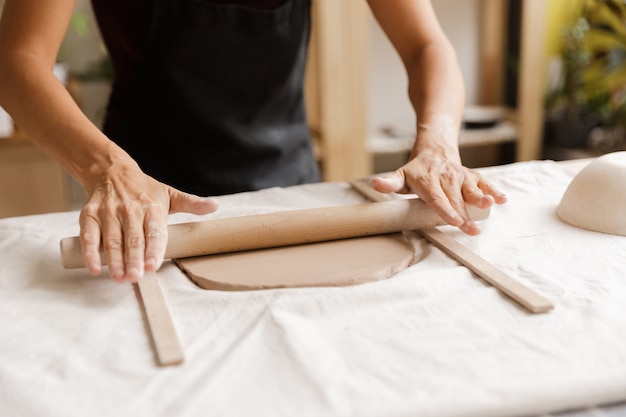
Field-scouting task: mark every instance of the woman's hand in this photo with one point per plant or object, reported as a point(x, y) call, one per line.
point(436, 90)
point(443, 183)
point(127, 210)
point(127, 213)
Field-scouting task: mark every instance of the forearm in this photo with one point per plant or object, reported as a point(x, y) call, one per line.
point(44, 109)
point(437, 93)
point(434, 170)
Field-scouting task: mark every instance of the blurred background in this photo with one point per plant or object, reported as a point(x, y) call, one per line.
point(545, 79)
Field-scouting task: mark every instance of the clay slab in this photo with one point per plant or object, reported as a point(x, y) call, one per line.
point(334, 263)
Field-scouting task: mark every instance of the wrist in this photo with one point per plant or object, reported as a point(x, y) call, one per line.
point(438, 137)
point(107, 167)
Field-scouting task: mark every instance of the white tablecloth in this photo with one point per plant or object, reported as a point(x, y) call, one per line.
point(432, 341)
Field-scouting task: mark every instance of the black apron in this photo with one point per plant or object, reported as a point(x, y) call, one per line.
point(218, 103)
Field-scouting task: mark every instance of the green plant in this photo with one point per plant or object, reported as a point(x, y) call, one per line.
point(594, 65)
point(606, 76)
point(575, 59)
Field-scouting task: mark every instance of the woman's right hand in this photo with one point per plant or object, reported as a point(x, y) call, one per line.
point(127, 210)
point(127, 214)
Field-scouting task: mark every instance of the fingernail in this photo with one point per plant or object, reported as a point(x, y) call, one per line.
point(470, 227)
point(487, 201)
point(149, 264)
point(118, 275)
point(134, 274)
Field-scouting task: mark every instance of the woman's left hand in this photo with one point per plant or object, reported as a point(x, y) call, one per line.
point(443, 183)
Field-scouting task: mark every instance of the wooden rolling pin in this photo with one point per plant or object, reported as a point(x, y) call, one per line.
point(287, 228)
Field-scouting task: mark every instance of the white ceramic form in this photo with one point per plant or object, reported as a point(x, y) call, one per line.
point(596, 197)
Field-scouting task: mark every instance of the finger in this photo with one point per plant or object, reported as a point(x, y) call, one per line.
point(113, 247)
point(391, 183)
point(90, 242)
point(433, 193)
point(441, 204)
point(488, 189)
point(469, 226)
point(474, 196)
point(452, 190)
point(189, 203)
point(112, 243)
point(155, 229)
point(134, 242)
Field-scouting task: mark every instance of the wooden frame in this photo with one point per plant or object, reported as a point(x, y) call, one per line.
point(531, 85)
point(530, 109)
point(492, 60)
point(336, 87)
point(30, 181)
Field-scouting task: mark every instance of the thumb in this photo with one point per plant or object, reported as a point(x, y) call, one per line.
point(190, 203)
point(390, 183)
